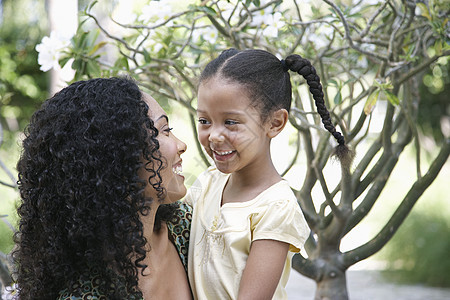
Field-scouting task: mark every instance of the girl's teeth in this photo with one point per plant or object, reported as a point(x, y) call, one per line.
point(224, 153)
point(178, 170)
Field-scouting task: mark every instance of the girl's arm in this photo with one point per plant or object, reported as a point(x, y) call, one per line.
point(263, 270)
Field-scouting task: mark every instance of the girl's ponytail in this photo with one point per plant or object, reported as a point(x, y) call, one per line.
point(303, 67)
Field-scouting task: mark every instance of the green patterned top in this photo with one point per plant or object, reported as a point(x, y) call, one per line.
point(88, 285)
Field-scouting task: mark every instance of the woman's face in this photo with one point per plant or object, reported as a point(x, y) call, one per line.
point(171, 149)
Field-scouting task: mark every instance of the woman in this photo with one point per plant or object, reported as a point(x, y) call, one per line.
point(97, 176)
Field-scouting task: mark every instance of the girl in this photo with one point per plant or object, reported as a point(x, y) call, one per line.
point(247, 223)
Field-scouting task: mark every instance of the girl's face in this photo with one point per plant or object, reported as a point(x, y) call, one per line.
point(229, 126)
point(171, 149)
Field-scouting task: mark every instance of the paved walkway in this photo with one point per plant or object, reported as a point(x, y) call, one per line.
point(366, 285)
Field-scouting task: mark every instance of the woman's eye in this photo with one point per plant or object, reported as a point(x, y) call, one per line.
point(168, 130)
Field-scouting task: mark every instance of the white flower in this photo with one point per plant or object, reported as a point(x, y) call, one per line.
point(263, 16)
point(366, 2)
point(274, 24)
point(9, 293)
point(157, 47)
point(157, 12)
point(50, 50)
point(318, 41)
point(321, 35)
point(208, 34)
point(229, 13)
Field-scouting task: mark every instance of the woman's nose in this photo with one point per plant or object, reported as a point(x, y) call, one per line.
point(181, 146)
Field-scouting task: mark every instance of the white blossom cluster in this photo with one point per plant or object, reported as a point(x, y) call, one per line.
point(161, 15)
point(51, 49)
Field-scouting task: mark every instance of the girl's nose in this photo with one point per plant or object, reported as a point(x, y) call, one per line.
point(216, 135)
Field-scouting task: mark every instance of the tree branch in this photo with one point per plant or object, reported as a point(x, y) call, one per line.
point(379, 183)
point(425, 64)
point(306, 267)
point(347, 34)
point(417, 189)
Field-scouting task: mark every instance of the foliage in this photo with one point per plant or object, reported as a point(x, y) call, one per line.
point(22, 87)
point(419, 252)
point(435, 109)
point(22, 84)
point(370, 56)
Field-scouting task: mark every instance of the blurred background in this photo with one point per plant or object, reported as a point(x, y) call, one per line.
point(419, 253)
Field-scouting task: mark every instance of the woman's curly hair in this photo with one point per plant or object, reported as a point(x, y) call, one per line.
point(81, 194)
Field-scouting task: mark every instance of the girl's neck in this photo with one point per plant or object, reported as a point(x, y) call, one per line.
point(246, 184)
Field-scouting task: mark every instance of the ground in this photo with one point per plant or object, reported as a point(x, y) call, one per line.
point(366, 285)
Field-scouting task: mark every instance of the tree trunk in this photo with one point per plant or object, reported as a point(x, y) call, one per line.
point(333, 286)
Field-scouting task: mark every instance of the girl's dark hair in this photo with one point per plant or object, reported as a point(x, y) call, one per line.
point(268, 83)
point(81, 194)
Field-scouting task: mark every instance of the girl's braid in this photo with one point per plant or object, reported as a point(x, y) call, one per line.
point(303, 67)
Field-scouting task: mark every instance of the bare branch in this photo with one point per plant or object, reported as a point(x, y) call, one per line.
point(425, 64)
point(294, 159)
point(13, 183)
point(402, 211)
point(371, 20)
point(306, 267)
point(335, 210)
point(380, 180)
point(347, 34)
point(197, 143)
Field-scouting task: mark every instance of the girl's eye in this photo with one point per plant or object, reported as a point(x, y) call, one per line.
point(231, 122)
point(203, 121)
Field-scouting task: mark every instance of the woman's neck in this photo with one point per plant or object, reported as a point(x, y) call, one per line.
point(148, 222)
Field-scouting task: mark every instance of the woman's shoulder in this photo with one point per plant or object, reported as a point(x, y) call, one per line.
point(179, 230)
point(86, 287)
point(90, 285)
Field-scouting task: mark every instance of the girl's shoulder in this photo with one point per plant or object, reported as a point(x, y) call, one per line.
point(209, 177)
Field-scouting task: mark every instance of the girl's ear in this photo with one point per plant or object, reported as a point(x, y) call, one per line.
point(277, 122)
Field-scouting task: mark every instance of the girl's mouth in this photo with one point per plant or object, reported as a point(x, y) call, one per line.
point(223, 155)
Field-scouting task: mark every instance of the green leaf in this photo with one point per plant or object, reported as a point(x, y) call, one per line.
point(76, 64)
point(371, 101)
point(96, 47)
point(332, 82)
point(80, 42)
point(93, 69)
point(89, 7)
point(338, 98)
point(438, 47)
point(91, 38)
point(392, 98)
point(424, 10)
point(209, 10)
point(63, 61)
point(147, 56)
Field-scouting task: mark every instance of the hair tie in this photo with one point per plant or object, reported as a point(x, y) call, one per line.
point(284, 65)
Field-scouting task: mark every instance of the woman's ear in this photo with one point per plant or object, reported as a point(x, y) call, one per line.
point(277, 122)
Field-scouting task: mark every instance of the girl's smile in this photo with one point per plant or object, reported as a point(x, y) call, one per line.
point(230, 128)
